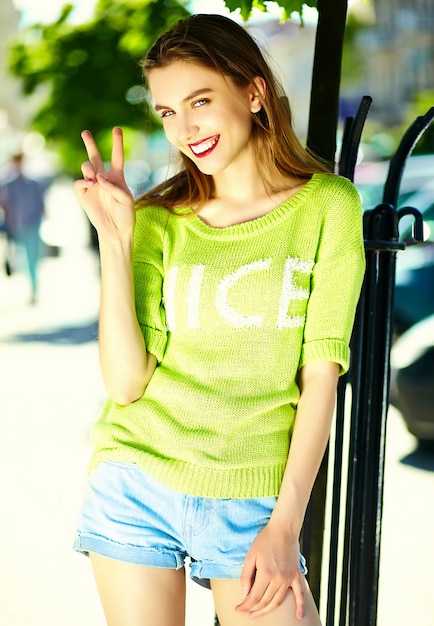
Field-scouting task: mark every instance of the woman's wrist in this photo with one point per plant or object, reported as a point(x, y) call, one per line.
point(122, 245)
point(286, 522)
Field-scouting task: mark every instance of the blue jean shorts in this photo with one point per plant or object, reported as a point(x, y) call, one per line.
point(129, 516)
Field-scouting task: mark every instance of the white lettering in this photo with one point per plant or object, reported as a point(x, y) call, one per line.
point(233, 317)
point(193, 296)
point(290, 292)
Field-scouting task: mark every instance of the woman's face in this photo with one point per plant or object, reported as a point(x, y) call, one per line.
point(205, 115)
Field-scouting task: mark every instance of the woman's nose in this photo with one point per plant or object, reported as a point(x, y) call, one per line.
point(187, 129)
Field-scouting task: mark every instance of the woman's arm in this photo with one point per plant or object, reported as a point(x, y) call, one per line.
point(318, 382)
point(125, 364)
point(272, 562)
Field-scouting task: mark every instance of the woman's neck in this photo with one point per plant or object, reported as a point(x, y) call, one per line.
point(245, 200)
point(242, 185)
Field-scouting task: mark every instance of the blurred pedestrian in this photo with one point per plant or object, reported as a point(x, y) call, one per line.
point(23, 204)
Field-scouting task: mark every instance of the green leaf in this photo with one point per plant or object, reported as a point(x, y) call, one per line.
point(245, 7)
point(289, 7)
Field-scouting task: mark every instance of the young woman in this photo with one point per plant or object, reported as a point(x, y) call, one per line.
point(227, 302)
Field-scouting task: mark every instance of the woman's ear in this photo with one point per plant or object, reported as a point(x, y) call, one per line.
point(258, 89)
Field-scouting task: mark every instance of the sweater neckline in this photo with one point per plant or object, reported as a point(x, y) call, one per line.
point(259, 224)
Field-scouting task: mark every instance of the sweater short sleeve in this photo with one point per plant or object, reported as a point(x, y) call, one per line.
point(336, 351)
point(337, 276)
point(148, 279)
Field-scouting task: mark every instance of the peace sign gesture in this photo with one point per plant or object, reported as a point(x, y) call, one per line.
point(104, 195)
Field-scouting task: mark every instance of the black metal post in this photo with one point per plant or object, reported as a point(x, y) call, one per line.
point(370, 436)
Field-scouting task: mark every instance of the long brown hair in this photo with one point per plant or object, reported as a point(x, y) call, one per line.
point(219, 43)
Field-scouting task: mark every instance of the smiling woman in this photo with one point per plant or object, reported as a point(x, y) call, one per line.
point(228, 296)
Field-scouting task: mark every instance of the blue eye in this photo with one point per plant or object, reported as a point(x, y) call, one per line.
point(166, 114)
point(200, 103)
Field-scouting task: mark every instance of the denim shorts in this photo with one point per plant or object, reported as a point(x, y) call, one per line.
point(131, 517)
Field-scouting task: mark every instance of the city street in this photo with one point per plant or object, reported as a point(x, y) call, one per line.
point(50, 393)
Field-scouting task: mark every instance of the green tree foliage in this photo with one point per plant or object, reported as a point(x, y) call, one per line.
point(353, 66)
point(90, 72)
point(288, 6)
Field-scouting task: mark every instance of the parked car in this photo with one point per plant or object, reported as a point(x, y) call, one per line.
point(414, 282)
point(370, 179)
point(412, 378)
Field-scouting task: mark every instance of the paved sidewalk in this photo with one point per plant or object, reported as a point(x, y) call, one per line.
point(50, 393)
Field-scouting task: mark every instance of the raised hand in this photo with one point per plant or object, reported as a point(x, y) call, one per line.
point(104, 195)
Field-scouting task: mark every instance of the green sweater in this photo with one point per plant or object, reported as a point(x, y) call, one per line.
point(231, 315)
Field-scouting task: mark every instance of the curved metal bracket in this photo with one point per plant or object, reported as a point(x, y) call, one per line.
point(417, 231)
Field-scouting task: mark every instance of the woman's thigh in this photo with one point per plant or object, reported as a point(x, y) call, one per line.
point(136, 595)
point(227, 595)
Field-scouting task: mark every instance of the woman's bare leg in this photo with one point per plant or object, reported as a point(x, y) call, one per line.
point(133, 595)
point(227, 595)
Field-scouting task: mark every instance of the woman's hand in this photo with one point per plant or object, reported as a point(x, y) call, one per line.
point(104, 195)
point(270, 571)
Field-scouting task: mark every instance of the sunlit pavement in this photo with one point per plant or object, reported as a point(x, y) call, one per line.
point(50, 393)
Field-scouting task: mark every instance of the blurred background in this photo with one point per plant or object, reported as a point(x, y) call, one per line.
point(66, 67)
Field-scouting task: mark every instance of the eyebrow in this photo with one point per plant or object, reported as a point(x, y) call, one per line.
point(193, 94)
